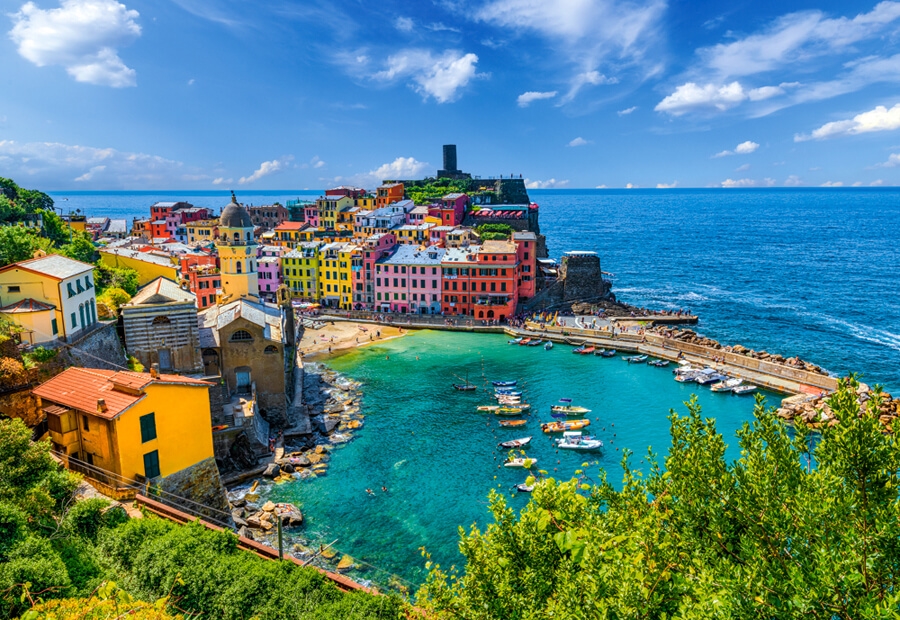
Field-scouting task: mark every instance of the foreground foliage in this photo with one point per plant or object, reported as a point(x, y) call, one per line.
point(767, 536)
point(62, 559)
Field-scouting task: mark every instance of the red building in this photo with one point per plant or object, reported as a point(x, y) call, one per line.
point(159, 230)
point(345, 190)
point(526, 250)
point(453, 209)
point(458, 268)
point(201, 272)
point(495, 282)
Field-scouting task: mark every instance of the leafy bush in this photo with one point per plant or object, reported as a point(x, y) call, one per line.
point(110, 301)
point(42, 355)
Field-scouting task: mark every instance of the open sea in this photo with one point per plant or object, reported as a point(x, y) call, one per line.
point(807, 272)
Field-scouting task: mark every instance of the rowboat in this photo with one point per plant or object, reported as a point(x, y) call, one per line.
point(579, 349)
point(725, 386)
point(520, 462)
point(536, 343)
point(741, 390)
point(515, 443)
point(487, 408)
point(465, 387)
point(502, 384)
point(587, 350)
point(509, 400)
point(508, 411)
point(507, 392)
point(525, 488)
point(561, 427)
point(515, 340)
point(548, 345)
point(609, 353)
point(513, 423)
point(635, 359)
point(524, 341)
point(569, 410)
point(599, 352)
point(573, 440)
point(659, 363)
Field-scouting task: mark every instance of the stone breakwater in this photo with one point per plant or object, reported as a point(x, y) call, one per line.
point(816, 412)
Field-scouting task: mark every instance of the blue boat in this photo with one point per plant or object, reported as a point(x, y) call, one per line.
point(504, 383)
point(515, 340)
point(507, 392)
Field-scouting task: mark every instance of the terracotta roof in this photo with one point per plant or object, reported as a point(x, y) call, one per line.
point(291, 226)
point(26, 305)
point(80, 388)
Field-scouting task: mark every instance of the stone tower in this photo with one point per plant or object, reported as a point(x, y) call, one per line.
point(237, 253)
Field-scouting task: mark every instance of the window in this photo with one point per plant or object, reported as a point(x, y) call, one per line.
point(151, 464)
point(161, 320)
point(503, 286)
point(271, 349)
point(54, 326)
point(85, 424)
point(241, 336)
point(12, 289)
point(71, 292)
point(148, 427)
point(78, 286)
point(89, 458)
point(74, 320)
point(434, 284)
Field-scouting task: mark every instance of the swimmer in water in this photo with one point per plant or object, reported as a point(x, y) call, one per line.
point(370, 491)
point(384, 488)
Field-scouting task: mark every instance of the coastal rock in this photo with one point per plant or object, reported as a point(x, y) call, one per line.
point(251, 497)
point(272, 471)
point(268, 507)
point(239, 502)
point(238, 517)
point(300, 461)
point(287, 468)
point(254, 521)
point(245, 533)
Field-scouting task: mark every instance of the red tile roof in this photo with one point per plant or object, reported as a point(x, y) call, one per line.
point(291, 226)
point(80, 388)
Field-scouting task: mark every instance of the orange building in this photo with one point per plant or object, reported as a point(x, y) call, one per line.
point(494, 284)
point(389, 193)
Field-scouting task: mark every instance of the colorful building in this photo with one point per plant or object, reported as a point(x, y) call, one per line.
point(268, 217)
point(300, 270)
point(201, 273)
point(311, 215)
point(290, 234)
point(526, 255)
point(453, 209)
point(49, 297)
point(202, 231)
point(149, 265)
point(270, 276)
point(374, 248)
point(237, 253)
point(134, 425)
point(389, 193)
point(409, 280)
point(330, 283)
point(330, 208)
point(494, 289)
point(458, 268)
point(413, 234)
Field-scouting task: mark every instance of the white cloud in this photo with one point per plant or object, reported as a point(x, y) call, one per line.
point(793, 181)
point(525, 99)
point(585, 33)
point(440, 27)
point(265, 169)
point(878, 119)
point(627, 111)
point(671, 185)
point(690, 96)
point(51, 164)
point(81, 35)
point(631, 186)
point(399, 169)
point(600, 187)
point(440, 77)
point(579, 141)
point(832, 184)
point(742, 168)
point(191, 82)
point(767, 182)
point(744, 148)
point(892, 161)
point(548, 184)
point(876, 183)
point(404, 24)
point(222, 181)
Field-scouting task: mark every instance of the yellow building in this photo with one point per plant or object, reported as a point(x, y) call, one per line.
point(149, 265)
point(329, 275)
point(127, 423)
point(300, 271)
point(330, 208)
point(202, 231)
point(49, 297)
point(413, 234)
point(349, 261)
point(236, 246)
point(290, 234)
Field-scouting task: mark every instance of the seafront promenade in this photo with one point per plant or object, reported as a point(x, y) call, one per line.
point(776, 377)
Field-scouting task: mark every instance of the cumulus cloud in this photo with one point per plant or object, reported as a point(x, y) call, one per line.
point(878, 119)
point(892, 161)
point(586, 33)
point(83, 36)
point(222, 181)
point(404, 24)
point(548, 184)
point(767, 182)
point(742, 168)
point(441, 77)
point(793, 181)
point(627, 111)
point(400, 168)
point(265, 169)
point(691, 96)
point(832, 184)
point(526, 98)
point(744, 148)
point(54, 163)
point(671, 185)
point(579, 141)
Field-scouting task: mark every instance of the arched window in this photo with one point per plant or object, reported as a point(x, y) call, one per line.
point(271, 349)
point(481, 314)
point(161, 320)
point(241, 336)
point(239, 267)
point(237, 237)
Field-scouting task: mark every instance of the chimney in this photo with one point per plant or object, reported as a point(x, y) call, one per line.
point(154, 371)
point(101, 405)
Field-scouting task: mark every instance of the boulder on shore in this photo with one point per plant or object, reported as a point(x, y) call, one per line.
point(272, 471)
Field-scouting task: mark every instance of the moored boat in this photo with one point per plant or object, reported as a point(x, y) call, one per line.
point(609, 353)
point(465, 387)
point(548, 345)
point(659, 363)
point(726, 385)
point(514, 340)
point(536, 343)
point(635, 359)
point(579, 350)
point(744, 389)
point(563, 426)
point(513, 423)
point(487, 408)
point(587, 351)
point(507, 392)
point(508, 411)
point(524, 341)
point(520, 462)
point(515, 443)
point(525, 488)
point(502, 384)
point(573, 440)
point(569, 409)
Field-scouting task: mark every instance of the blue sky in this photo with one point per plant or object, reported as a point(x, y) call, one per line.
point(204, 94)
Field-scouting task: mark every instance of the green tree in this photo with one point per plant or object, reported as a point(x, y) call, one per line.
point(766, 536)
point(10, 211)
point(109, 302)
point(80, 248)
point(55, 228)
point(124, 278)
point(18, 244)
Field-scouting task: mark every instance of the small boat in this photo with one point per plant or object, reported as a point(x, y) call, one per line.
point(522, 406)
point(502, 384)
point(513, 423)
point(507, 392)
point(569, 410)
point(515, 443)
point(563, 426)
point(520, 462)
point(587, 351)
point(524, 341)
point(509, 400)
point(548, 345)
point(579, 350)
point(536, 343)
point(573, 440)
point(599, 352)
point(487, 408)
point(465, 387)
point(609, 353)
point(659, 363)
point(725, 386)
point(525, 488)
point(508, 411)
point(707, 379)
point(635, 359)
point(514, 340)
point(741, 390)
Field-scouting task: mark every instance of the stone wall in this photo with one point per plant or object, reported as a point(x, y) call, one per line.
point(99, 349)
point(582, 280)
point(150, 329)
point(197, 489)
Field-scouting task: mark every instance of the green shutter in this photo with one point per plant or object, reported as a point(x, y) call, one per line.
point(148, 427)
point(151, 464)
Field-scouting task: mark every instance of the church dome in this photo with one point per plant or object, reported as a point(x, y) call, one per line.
point(235, 216)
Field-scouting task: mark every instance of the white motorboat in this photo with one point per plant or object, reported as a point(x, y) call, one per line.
point(743, 389)
point(574, 440)
point(726, 385)
point(520, 462)
point(515, 443)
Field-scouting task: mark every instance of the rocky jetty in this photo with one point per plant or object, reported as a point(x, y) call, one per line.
point(254, 520)
point(814, 410)
point(692, 337)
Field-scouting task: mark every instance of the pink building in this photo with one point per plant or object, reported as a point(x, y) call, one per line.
point(375, 247)
point(311, 215)
point(409, 280)
point(437, 235)
point(269, 270)
point(526, 251)
point(453, 209)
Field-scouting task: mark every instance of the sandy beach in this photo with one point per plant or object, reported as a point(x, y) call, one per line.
point(342, 335)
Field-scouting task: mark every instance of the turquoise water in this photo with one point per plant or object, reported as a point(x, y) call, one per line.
point(439, 458)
